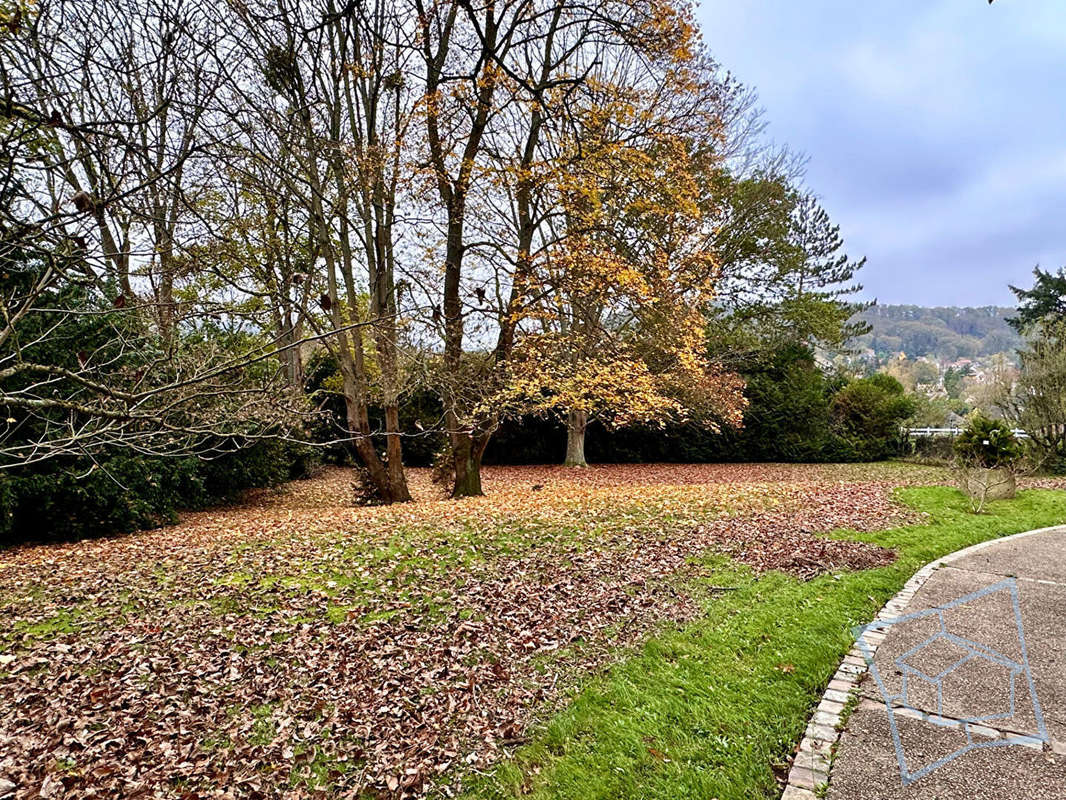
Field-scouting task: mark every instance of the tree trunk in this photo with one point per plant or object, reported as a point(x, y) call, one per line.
point(576, 423)
point(291, 359)
point(467, 454)
point(359, 427)
point(394, 457)
point(386, 476)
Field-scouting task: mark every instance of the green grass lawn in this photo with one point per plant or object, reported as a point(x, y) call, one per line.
point(711, 710)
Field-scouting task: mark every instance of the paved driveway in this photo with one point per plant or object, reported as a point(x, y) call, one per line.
point(988, 670)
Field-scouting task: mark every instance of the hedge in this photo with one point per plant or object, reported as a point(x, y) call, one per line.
point(123, 492)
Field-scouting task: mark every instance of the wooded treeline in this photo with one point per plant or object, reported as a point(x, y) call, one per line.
point(944, 333)
point(512, 208)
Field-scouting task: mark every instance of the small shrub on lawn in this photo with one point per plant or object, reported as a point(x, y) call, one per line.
point(988, 444)
point(987, 460)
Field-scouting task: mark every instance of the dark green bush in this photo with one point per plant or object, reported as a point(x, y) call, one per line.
point(788, 418)
point(1056, 465)
point(124, 492)
point(266, 463)
point(113, 495)
point(867, 414)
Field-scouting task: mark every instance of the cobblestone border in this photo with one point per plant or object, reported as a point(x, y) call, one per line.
point(810, 768)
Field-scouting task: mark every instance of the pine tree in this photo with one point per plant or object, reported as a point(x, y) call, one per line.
point(1044, 303)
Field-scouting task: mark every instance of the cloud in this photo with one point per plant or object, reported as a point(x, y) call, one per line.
point(936, 130)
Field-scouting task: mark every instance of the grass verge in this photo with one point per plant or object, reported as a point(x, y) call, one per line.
point(710, 711)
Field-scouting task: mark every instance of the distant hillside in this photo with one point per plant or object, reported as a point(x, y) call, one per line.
point(942, 334)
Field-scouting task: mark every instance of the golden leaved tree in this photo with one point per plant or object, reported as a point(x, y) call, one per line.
point(510, 87)
point(618, 332)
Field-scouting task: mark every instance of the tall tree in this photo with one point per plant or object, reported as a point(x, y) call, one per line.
point(339, 70)
point(822, 279)
point(103, 184)
point(462, 46)
point(531, 72)
point(1044, 302)
point(786, 280)
point(620, 327)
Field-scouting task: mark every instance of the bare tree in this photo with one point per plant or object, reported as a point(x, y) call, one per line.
point(328, 79)
point(103, 104)
point(263, 252)
point(1036, 401)
point(123, 88)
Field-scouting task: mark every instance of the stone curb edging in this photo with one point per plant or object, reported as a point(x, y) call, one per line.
point(810, 767)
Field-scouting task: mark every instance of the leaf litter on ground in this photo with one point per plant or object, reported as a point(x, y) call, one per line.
point(299, 646)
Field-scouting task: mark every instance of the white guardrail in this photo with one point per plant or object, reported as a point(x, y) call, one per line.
point(931, 432)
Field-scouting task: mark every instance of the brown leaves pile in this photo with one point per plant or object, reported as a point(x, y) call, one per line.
point(297, 646)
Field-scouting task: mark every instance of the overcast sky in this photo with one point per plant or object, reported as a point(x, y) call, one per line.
point(935, 129)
